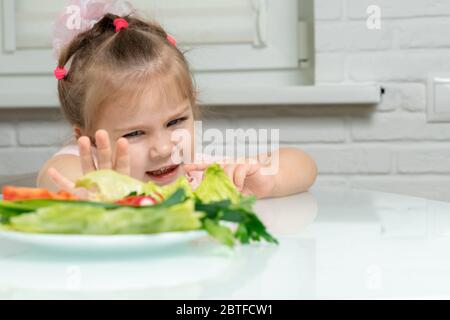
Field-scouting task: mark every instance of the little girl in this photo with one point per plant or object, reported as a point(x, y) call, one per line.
point(125, 87)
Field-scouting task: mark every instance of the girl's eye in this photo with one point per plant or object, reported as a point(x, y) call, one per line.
point(176, 121)
point(133, 134)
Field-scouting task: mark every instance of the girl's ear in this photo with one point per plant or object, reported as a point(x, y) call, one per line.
point(77, 132)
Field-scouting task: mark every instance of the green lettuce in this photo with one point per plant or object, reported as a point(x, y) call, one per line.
point(216, 186)
point(221, 233)
point(219, 199)
point(181, 183)
point(109, 185)
point(80, 219)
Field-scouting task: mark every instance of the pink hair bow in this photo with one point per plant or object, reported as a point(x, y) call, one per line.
point(81, 15)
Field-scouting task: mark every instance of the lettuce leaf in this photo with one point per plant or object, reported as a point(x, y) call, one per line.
point(180, 183)
point(79, 219)
point(219, 232)
point(218, 197)
point(109, 185)
point(9, 209)
point(216, 186)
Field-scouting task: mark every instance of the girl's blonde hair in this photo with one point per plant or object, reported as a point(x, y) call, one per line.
point(106, 65)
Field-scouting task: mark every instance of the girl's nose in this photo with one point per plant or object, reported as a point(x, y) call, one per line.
point(160, 147)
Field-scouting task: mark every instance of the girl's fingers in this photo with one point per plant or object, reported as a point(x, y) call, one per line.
point(253, 168)
point(87, 162)
point(104, 153)
point(229, 170)
point(196, 166)
point(236, 172)
point(65, 184)
point(62, 182)
point(122, 163)
point(240, 173)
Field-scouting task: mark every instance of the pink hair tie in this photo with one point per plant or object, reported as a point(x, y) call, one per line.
point(60, 73)
point(171, 40)
point(120, 23)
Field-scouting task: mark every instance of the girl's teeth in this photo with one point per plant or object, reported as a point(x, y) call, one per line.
point(161, 171)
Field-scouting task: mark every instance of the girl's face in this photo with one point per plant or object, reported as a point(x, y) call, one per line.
point(148, 127)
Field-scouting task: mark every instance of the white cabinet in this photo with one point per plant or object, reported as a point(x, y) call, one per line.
point(227, 42)
point(220, 35)
point(231, 45)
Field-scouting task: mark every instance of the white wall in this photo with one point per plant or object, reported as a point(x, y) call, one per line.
point(392, 148)
point(389, 148)
point(28, 138)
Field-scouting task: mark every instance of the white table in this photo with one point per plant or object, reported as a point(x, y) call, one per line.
point(334, 243)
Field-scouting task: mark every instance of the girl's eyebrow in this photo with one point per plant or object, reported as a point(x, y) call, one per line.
point(179, 113)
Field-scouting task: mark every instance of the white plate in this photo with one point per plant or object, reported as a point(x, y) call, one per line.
point(104, 242)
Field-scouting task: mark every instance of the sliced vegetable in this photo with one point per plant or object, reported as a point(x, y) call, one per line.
point(21, 193)
point(137, 201)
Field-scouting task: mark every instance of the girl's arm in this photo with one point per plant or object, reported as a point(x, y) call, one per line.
point(297, 173)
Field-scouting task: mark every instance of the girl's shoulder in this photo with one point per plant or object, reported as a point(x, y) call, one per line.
point(70, 147)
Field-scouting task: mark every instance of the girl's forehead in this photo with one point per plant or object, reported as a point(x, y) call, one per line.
point(156, 95)
point(153, 103)
point(161, 93)
point(150, 99)
point(149, 107)
point(160, 97)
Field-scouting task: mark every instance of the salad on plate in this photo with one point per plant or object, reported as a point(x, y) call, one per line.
point(121, 205)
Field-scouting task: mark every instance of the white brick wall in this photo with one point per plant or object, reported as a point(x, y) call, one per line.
point(390, 148)
point(28, 138)
point(45, 133)
point(356, 9)
point(7, 135)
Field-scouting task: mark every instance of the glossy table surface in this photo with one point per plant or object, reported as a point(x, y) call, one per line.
point(334, 243)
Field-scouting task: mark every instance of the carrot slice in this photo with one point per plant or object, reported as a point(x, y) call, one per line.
point(12, 193)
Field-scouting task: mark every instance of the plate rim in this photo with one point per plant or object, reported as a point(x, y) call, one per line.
point(102, 236)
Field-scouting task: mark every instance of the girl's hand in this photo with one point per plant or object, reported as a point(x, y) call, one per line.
point(120, 162)
point(247, 177)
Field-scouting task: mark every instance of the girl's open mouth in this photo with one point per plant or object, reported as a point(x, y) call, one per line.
point(164, 174)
